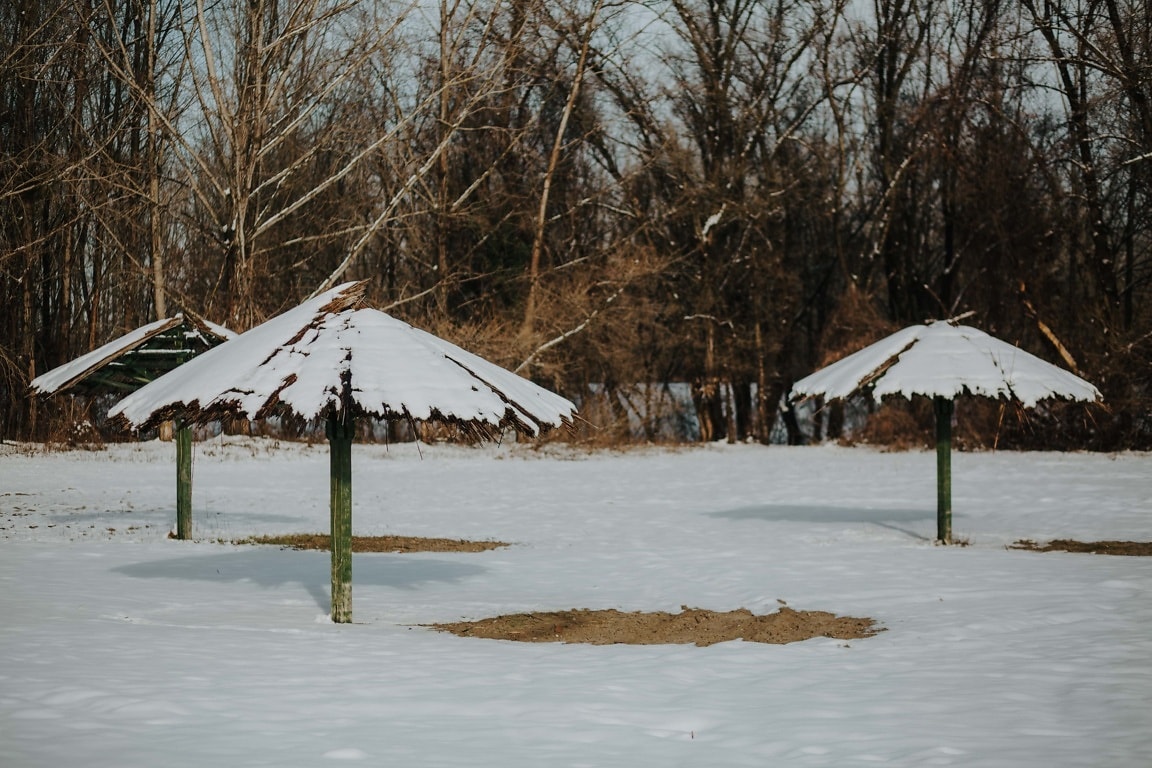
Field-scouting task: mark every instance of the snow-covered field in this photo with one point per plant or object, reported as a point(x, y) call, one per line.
point(121, 648)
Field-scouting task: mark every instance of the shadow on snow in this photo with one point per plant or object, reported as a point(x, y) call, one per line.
point(269, 568)
point(800, 513)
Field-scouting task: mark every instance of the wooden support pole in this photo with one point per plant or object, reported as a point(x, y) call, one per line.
point(183, 481)
point(340, 447)
point(943, 408)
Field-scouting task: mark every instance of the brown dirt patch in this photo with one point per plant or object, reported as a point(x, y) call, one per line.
point(1128, 548)
point(691, 625)
point(323, 541)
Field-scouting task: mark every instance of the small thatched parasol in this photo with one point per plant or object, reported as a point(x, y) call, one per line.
point(335, 358)
point(942, 360)
point(126, 364)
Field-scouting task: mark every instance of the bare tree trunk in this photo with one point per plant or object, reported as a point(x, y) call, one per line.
point(153, 165)
point(708, 394)
point(528, 327)
point(740, 418)
point(765, 409)
point(442, 201)
point(1072, 72)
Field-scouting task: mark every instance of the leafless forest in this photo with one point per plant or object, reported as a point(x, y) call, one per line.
point(605, 195)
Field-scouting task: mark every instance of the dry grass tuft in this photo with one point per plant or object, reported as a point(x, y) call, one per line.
point(1125, 548)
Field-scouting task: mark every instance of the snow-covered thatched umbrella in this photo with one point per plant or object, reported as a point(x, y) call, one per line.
point(333, 357)
point(942, 360)
point(126, 364)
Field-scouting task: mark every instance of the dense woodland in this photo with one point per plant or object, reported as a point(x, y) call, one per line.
point(606, 196)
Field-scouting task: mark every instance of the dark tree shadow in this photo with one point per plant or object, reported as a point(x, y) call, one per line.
point(800, 513)
point(167, 515)
point(269, 567)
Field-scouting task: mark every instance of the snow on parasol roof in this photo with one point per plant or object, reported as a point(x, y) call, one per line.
point(332, 353)
point(73, 373)
point(945, 360)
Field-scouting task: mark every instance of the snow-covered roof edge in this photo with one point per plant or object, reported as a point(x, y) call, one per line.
point(64, 376)
point(945, 360)
point(297, 360)
point(205, 325)
point(69, 374)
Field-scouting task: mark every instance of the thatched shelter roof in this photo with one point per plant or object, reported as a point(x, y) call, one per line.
point(130, 361)
point(945, 360)
point(334, 355)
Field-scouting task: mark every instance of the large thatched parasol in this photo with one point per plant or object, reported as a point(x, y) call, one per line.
point(942, 360)
point(333, 357)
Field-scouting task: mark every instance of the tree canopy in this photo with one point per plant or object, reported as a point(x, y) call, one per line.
point(605, 196)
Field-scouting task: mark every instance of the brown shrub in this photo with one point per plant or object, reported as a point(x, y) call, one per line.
point(897, 425)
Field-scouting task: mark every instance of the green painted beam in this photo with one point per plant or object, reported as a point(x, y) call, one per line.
point(183, 481)
point(340, 447)
point(943, 408)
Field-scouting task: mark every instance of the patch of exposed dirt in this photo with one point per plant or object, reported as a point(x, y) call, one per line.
point(323, 541)
point(691, 625)
point(1128, 548)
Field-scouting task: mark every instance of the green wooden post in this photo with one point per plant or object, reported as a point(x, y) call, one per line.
point(183, 480)
point(943, 407)
point(340, 447)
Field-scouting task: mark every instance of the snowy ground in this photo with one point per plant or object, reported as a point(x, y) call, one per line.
point(122, 648)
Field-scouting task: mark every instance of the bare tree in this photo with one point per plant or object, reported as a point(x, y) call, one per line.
point(584, 38)
point(269, 146)
point(74, 248)
point(742, 102)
